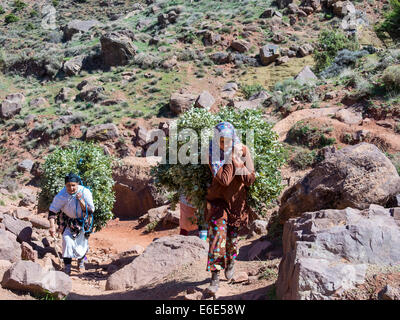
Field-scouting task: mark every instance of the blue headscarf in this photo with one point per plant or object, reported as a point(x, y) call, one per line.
point(217, 156)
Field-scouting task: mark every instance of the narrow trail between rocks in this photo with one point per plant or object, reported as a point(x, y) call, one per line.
point(120, 236)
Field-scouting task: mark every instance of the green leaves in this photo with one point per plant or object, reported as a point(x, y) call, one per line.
point(95, 169)
point(193, 180)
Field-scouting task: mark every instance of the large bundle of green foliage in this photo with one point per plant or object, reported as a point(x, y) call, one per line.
point(95, 170)
point(192, 180)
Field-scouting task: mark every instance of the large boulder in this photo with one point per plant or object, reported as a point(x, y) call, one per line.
point(162, 257)
point(9, 109)
point(180, 103)
point(74, 65)
point(329, 251)
point(102, 132)
point(78, 26)
point(92, 93)
point(268, 54)
point(305, 75)
point(355, 176)
point(344, 8)
point(134, 189)
point(205, 100)
point(10, 249)
point(240, 46)
point(117, 49)
point(30, 276)
point(21, 229)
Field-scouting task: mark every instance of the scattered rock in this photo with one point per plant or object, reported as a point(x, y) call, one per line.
point(30, 276)
point(343, 8)
point(239, 277)
point(38, 222)
point(117, 49)
point(27, 252)
point(38, 102)
point(205, 100)
point(268, 54)
point(74, 65)
point(9, 109)
point(78, 26)
point(259, 226)
point(305, 75)
point(180, 103)
point(22, 213)
point(258, 248)
point(92, 94)
point(282, 60)
point(65, 95)
point(171, 218)
point(160, 258)
point(306, 50)
point(349, 116)
point(389, 293)
point(293, 8)
point(22, 229)
point(10, 249)
point(355, 176)
point(25, 166)
point(102, 132)
point(211, 38)
point(240, 46)
point(4, 266)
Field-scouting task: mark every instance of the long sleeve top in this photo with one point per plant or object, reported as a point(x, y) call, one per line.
point(229, 185)
point(69, 205)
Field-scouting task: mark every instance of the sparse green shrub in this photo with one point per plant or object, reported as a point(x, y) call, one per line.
point(29, 27)
point(251, 89)
point(19, 5)
point(344, 59)
point(287, 89)
point(95, 170)
point(11, 18)
point(391, 77)
point(2, 11)
point(312, 137)
point(303, 159)
point(328, 45)
point(391, 24)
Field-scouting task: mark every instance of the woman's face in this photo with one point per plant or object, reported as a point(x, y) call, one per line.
point(72, 187)
point(225, 143)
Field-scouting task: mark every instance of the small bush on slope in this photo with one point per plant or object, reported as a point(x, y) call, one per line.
point(328, 45)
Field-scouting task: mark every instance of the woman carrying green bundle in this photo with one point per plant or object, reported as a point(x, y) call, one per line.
point(226, 211)
point(75, 202)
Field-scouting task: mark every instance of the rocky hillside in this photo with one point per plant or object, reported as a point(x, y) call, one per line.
point(325, 73)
